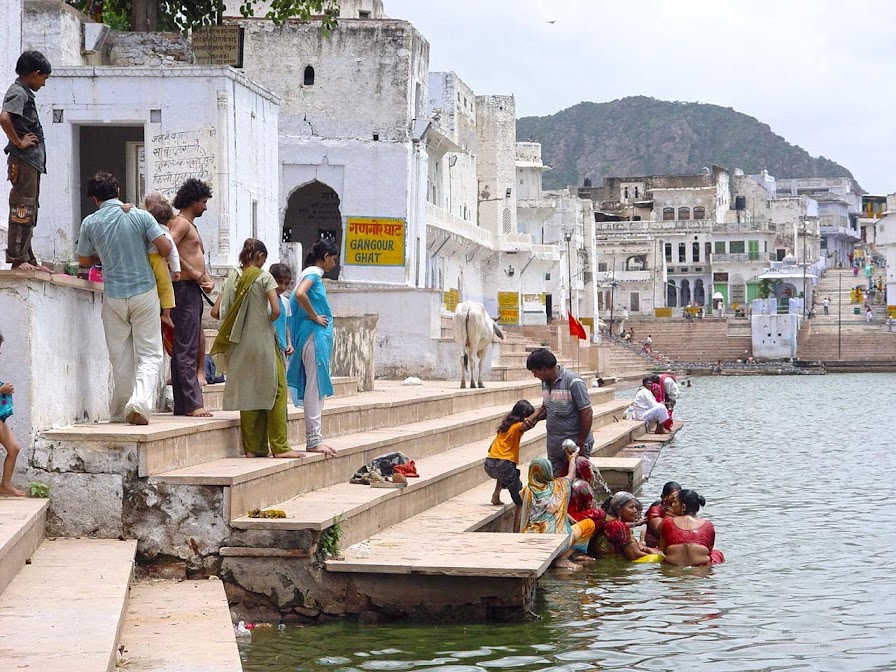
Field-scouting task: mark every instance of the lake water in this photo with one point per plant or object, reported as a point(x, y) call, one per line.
point(797, 472)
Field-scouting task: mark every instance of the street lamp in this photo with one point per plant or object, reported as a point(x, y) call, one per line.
point(803, 232)
point(567, 235)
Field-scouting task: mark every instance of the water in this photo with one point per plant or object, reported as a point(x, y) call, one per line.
point(797, 473)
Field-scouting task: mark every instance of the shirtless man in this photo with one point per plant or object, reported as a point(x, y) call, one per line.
point(192, 201)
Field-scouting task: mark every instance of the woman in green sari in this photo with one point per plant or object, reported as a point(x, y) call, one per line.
point(246, 349)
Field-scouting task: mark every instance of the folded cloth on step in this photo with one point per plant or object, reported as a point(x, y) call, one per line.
point(382, 467)
point(409, 470)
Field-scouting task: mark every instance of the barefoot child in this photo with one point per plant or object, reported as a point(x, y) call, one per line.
point(7, 440)
point(283, 276)
point(27, 160)
point(504, 456)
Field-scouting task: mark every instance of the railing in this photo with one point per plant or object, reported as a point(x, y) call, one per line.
point(645, 226)
point(741, 256)
point(844, 231)
point(623, 276)
point(443, 220)
point(744, 227)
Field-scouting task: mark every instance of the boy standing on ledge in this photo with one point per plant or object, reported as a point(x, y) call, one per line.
point(27, 157)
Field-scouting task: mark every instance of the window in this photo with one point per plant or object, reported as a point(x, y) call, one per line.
point(602, 267)
point(363, 14)
point(737, 247)
point(684, 213)
point(699, 212)
point(309, 76)
point(668, 247)
point(682, 253)
point(636, 192)
point(625, 193)
point(668, 214)
point(720, 247)
point(254, 219)
point(695, 252)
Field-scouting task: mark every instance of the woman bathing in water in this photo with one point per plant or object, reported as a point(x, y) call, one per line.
point(616, 540)
point(657, 512)
point(546, 506)
point(685, 538)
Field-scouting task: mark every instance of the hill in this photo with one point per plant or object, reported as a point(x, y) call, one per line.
point(644, 136)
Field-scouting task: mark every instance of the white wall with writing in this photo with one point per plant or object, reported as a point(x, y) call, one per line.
point(205, 122)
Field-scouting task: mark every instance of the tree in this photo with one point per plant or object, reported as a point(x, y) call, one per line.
point(166, 15)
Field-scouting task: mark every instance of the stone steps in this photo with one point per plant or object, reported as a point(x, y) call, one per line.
point(170, 442)
point(258, 483)
point(363, 511)
point(22, 525)
point(64, 611)
point(213, 395)
point(179, 626)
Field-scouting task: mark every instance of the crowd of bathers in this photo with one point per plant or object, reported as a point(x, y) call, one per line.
point(559, 495)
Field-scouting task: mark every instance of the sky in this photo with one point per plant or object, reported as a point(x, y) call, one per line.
point(819, 72)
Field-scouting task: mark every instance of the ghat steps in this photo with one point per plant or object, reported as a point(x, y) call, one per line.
point(69, 604)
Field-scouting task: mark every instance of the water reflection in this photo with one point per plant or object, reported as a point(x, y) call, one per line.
point(797, 475)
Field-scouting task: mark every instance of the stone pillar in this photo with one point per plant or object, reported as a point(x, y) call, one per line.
point(10, 48)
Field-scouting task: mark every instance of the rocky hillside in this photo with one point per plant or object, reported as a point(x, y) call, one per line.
point(645, 136)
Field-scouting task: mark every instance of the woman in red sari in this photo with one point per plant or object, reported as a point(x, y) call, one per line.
point(659, 510)
point(616, 540)
point(685, 538)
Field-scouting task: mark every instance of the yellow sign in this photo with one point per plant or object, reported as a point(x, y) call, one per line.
point(219, 45)
point(451, 300)
point(587, 322)
point(374, 241)
point(508, 308)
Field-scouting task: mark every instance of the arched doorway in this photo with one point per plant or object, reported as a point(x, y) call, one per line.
point(312, 213)
point(685, 292)
point(671, 295)
point(699, 292)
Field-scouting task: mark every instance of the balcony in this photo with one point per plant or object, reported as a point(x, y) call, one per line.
point(624, 276)
point(751, 226)
point(446, 222)
point(439, 221)
point(651, 227)
point(742, 257)
point(844, 232)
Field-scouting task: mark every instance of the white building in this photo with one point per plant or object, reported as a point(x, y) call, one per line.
point(151, 127)
point(839, 204)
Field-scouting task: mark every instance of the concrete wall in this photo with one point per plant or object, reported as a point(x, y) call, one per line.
point(355, 128)
point(56, 30)
point(407, 330)
point(54, 351)
point(354, 348)
point(148, 49)
point(775, 336)
point(208, 122)
point(496, 131)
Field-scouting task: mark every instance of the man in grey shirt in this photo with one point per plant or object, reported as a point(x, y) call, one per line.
point(566, 406)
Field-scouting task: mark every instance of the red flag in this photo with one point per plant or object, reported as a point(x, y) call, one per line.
point(576, 329)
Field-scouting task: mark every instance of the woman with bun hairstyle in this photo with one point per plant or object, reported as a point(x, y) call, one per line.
point(311, 327)
point(247, 350)
point(685, 538)
point(657, 512)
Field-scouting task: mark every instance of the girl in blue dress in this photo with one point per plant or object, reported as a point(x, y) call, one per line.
point(311, 327)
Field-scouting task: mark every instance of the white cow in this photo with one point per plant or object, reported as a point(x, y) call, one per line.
point(473, 333)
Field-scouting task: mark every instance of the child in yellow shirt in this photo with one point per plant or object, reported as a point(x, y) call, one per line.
point(504, 456)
